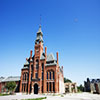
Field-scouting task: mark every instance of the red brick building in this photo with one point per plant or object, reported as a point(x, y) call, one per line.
point(4, 81)
point(41, 72)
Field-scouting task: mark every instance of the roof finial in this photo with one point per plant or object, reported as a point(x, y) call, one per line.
point(40, 20)
point(40, 26)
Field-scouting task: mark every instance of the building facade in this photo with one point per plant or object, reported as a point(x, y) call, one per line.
point(41, 72)
point(92, 85)
point(4, 81)
point(70, 87)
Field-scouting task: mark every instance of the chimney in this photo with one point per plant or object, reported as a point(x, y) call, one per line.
point(62, 67)
point(31, 54)
point(57, 57)
point(45, 51)
point(26, 58)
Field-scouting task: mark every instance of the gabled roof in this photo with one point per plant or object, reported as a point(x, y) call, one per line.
point(50, 57)
point(39, 31)
point(42, 56)
point(25, 67)
point(26, 63)
point(1, 78)
point(11, 78)
point(51, 64)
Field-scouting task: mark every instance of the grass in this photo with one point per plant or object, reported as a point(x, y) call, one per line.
point(36, 98)
point(3, 94)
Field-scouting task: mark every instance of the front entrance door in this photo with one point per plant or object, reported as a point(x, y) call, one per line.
point(35, 88)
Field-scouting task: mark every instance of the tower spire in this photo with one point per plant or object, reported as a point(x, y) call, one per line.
point(39, 34)
point(40, 26)
point(40, 19)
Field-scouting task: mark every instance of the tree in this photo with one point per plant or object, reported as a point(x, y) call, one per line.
point(10, 86)
point(80, 88)
point(67, 80)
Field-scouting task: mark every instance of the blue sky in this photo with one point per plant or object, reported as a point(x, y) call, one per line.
point(71, 27)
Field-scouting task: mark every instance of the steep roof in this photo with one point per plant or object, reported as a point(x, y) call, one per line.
point(39, 31)
point(25, 67)
point(39, 36)
point(1, 78)
point(51, 63)
point(26, 63)
point(42, 56)
point(11, 78)
point(50, 57)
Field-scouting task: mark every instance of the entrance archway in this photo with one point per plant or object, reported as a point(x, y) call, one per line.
point(35, 88)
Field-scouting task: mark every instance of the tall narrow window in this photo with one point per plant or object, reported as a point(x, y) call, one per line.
point(31, 76)
point(50, 86)
point(32, 67)
point(50, 75)
point(42, 75)
point(47, 86)
point(24, 87)
point(42, 66)
point(53, 87)
point(42, 89)
point(47, 75)
point(25, 76)
point(53, 75)
point(36, 75)
point(37, 64)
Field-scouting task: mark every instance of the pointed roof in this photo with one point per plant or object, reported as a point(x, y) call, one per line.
point(26, 63)
point(50, 57)
point(42, 56)
point(39, 35)
point(39, 31)
point(1, 78)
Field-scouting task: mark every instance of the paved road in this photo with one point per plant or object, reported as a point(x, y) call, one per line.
point(77, 96)
point(19, 97)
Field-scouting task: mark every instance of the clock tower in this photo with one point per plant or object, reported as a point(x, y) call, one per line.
point(39, 43)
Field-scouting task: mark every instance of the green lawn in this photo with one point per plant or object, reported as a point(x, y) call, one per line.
point(36, 99)
point(3, 94)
